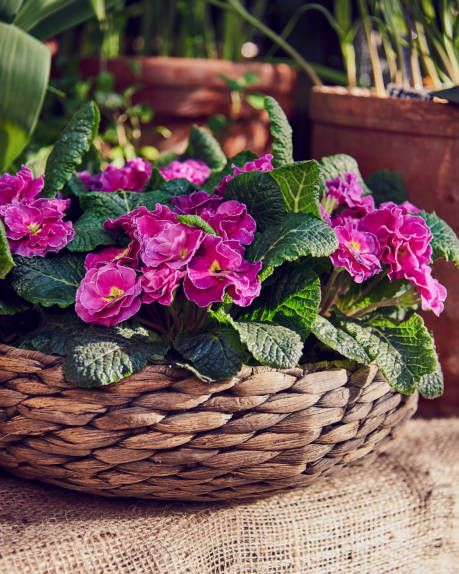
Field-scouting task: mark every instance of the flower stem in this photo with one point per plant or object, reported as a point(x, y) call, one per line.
point(330, 291)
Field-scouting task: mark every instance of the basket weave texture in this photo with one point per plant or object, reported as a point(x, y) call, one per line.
point(164, 434)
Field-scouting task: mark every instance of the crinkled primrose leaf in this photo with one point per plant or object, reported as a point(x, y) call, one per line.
point(202, 145)
point(48, 281)
point(101, 356)
point(281, 132)
point(271, 345)
point(214, 354)
point(300, 185)
point(298, 235)
point(405, 352)
point(261, 195)
point(70, 147)
point(445, 242)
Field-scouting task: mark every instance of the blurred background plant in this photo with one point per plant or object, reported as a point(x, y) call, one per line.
point(354, 43)
point(25, 61)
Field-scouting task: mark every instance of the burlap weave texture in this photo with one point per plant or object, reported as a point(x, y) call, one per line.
point(398, 514)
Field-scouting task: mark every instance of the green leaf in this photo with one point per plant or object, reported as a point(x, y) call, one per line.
point(431, 386)
point(112, 205)
point(281, 132)
point(203, 146)
point(387, 185)
point(48, 281)
point(175, 187)
point(300, 185)
point(24, 73)
point(76, 186)
point(404, 352)
point(445, 242)
point(101, 356)
point(291, 298)
point(379, 296)
point(6, 259)
point(338, 340)
point(53, 337)
point(8, 9)
point(89, 233)
point(296, 236)
point(8, 308)
point(72, 144)
point(260, 194)
point(156, 180)
point(215, 354)
point(271, 345)
point(238, 160)
point(46, 18)
point(196, 221)
point(337, 165)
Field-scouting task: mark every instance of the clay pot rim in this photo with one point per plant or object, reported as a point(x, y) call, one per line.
point(362, 109)
point(162, 70)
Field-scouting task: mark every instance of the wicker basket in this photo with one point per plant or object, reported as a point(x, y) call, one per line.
point(164, 434)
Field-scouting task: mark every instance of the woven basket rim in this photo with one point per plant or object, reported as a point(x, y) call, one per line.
point(167, 369)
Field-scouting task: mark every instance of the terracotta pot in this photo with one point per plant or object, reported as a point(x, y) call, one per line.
point(183, 91)
point(420, 140)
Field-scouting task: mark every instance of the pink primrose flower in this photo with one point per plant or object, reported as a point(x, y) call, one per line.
point(262, 163)
point(123, 255)
point(37, 228)
point(219, 267)
point(432, 292)
point(406, 206)
point(345, 189)
point(108, 295)
point(22, 187)
point(404, 239)
point(196, 203)
point(232, 221)
point(164, 240)
point(159, 284)
point(358, 252)
point(132, 177)
point(193, 170)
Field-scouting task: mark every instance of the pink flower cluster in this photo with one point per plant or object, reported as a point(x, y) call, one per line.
point(34, 226)
point(132, 177)
point(391, 237)
point(164, 254)
point(262, 163)
point(193, 170)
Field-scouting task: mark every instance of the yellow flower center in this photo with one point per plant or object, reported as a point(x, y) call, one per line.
point(183, 253)
point(122, 254)
point(115, 292)
point(355, 245)
point(215, 267)
point(34, 228)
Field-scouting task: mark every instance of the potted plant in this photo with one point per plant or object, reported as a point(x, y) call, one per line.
point(211, 329)
point(188, 62)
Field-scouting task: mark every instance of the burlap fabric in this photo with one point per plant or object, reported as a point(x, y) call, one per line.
point(399, 514)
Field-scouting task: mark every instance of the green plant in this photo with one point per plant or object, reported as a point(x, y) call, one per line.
point(25, 62)
point(124, 121)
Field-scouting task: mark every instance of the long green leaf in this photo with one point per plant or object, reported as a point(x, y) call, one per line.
point(24, 73)
point(46, 18)
point(9, 9)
